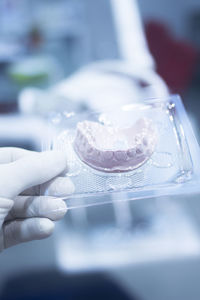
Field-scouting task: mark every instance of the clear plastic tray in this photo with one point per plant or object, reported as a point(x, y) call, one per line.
point(172, 169)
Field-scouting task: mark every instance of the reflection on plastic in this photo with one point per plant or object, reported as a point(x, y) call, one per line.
point(172, 169)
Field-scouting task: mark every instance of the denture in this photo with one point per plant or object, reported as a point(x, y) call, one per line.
point(112, 149)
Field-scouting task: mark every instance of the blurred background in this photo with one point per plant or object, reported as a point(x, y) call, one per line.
point(72, 55)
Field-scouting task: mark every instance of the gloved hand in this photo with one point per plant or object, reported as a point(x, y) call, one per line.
point(24, 214)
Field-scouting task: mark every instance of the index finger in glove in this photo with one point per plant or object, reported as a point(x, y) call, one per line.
point(10, 154)
point(30, 171)
point(37, 206)
point(57, 187)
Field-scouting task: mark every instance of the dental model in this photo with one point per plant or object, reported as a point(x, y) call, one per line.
point(111, 149)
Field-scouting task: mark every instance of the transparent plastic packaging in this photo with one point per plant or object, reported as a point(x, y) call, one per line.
point(137, 151)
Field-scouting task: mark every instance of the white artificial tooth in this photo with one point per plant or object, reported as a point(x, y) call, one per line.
point(120, 155)
point(139, 150)
point(108, 155)
point(97, 154)
point(89, 150)
point(145, 141)
point(131, 153)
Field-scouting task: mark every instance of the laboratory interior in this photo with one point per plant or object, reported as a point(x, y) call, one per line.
point(119, 70)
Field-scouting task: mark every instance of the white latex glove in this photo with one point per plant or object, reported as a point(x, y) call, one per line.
point(24, 215)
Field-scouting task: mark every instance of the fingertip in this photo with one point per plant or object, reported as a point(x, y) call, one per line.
point(32, 171)
point(58, 187)
point(6, 203)
point(46, 227)
point(71, 187)
point(20, 231)
point(54, 208)
point(58, 158)
point(59, 211)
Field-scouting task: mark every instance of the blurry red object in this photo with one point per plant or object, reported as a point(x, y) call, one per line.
point(175, 59)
